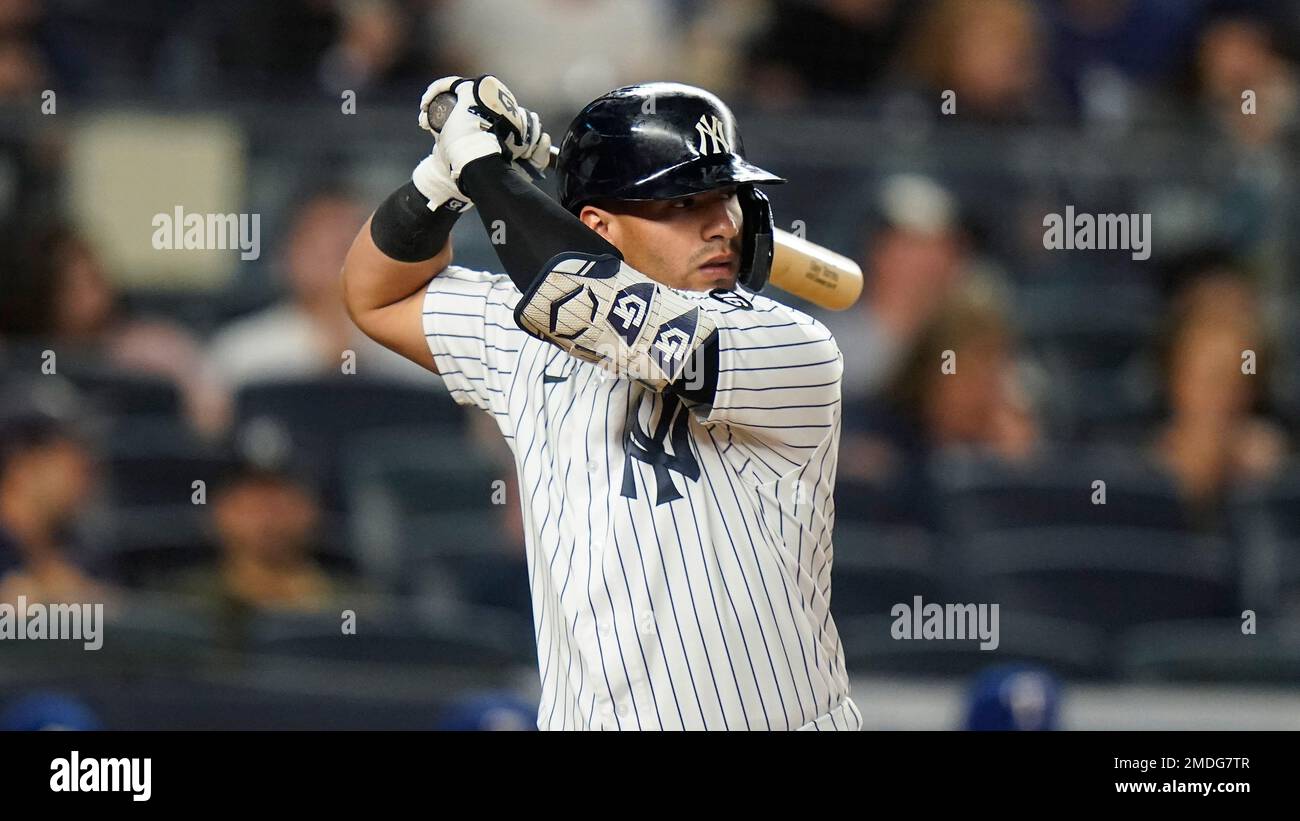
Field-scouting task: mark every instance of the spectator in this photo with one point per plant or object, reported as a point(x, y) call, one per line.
point(266, 521)
point(978, 402)
point(559, 54)
point(827, 47)
point(989, 52)
point(1110, 56)
point(1217, 435)
point(915, 256)
point(1238, 53)
point(64, 299)
point(46, 475)
point(24, 67)
point(374, 53)
point(306, 334)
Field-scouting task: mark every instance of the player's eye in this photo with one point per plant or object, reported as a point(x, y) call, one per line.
point(687, 202)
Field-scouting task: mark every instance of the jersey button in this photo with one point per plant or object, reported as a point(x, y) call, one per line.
point(604, 629)
point(593, 466)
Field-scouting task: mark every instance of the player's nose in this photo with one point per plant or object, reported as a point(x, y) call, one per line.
point(722, 219)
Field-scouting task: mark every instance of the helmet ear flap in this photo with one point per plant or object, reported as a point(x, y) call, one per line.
point(757, 243)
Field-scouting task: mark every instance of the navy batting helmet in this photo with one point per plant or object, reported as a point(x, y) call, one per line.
point(658, 141)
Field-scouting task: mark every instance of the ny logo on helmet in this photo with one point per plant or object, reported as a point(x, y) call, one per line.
point(713, 135)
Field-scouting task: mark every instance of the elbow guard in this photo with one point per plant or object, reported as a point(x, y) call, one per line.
point(600, 309)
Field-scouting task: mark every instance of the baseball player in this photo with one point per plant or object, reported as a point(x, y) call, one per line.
point(675, 433)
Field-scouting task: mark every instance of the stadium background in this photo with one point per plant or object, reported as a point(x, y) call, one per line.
point(328, 490)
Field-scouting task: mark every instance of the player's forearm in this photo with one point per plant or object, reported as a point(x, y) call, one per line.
point(536, 227)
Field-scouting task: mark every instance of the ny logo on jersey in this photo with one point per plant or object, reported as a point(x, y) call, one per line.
point(713, 135)
point(630, 309)
point(653, 450)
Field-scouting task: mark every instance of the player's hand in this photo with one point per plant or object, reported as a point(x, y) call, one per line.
point(461, 138)
point(524, 140)
point(485, 104)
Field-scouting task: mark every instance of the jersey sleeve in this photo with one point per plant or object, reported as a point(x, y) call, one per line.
point(779, 376)
point(470, 330)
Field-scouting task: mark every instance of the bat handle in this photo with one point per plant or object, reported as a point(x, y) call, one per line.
point(440, 109)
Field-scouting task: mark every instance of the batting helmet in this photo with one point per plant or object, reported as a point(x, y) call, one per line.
point(658, 141)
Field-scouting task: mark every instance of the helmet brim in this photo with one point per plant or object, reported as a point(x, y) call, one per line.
point(697, 176)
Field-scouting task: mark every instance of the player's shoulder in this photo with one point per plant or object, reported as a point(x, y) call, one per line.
point(744, 307)
point(457, 280)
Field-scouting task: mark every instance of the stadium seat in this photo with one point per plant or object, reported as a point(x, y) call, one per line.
point(456, 637)
point(1031, 539)
point(1266, 522)
point(319, 416)
point(422, 503)
point(1214, 650)
point(1066, 648)
point(876, 567)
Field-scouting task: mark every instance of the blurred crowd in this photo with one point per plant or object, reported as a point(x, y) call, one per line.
point(320, 483)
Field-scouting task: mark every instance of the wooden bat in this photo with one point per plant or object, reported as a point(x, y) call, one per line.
point(805, 269)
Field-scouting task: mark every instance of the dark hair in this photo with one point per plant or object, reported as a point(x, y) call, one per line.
point(30, 431)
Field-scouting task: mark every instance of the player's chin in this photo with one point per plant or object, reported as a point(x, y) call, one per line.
point(709, 277)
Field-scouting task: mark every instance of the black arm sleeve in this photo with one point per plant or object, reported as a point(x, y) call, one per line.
point(537, 228)
point(406, 230)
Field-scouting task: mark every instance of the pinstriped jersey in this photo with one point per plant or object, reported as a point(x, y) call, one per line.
point(679, 554)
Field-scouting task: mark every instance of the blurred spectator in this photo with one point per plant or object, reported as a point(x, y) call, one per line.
point(306, 334)
point(960, 387)
point(559, 54)
point(296, 47)
point(266, 521)
point(1217, 435)
point(715, 51)
point(1237, 53)
point(989, 52)
point(274, 49)
point(1109, 56)
point(374, 52)
point(494, 711)
point(824, 47)
point(24, 68)
point(46, 476)
point(916, 254)
point(42, 710)
point(64, 299)
point(982, 402)
point(1013, 697)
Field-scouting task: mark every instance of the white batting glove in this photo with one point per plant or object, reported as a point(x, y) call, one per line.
point(435, 176)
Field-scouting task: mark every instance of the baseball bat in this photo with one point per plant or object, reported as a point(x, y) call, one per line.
point(805, 269)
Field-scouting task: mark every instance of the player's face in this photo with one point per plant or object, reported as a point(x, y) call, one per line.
point(691, 243)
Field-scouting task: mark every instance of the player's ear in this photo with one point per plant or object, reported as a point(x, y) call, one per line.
point(601, 221)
